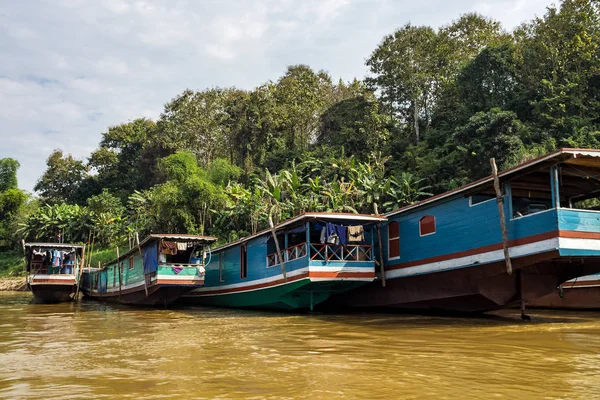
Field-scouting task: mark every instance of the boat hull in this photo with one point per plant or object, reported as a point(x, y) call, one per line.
point(580, 294)
point(53, 293)
point(478, 288)
point(158, 295)
point(53, 288)
point(295, 295)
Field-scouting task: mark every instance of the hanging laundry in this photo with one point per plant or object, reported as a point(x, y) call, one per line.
point(177, 269)
point(168, 247)
point(332, 237)
point(56, 258)
point(342, 234)
point(182, 246)
point(356, 233)
point(323, 238)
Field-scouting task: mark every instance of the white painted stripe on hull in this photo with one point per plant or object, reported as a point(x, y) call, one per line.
point(579, 244)
point(180, 277)
point(482, 258)
point(290, 274)
point(140, 284)
point(57, 277)
point(497, 255)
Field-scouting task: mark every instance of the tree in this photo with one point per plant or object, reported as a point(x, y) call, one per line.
point(194, 122)
point(120, 160)
point(357, 125)
point(404, 69)
point(559, 67)
point(489, 134)
point(187, 198)
point(411, 67)
point(300, 96)
point(62, 179)
point(8, 174)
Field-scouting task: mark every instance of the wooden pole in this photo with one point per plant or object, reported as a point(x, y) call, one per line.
point(119, 266)
point(100, 280)
point(137, 239)
point(80, 270)
point(278, 249)
point(500, 201)
point(381, 265)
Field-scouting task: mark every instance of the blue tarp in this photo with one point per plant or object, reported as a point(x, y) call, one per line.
point(150, 254)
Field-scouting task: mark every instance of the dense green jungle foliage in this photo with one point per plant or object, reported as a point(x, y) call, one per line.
point(437, 104)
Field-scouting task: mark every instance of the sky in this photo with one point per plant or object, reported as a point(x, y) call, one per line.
point(71, 68)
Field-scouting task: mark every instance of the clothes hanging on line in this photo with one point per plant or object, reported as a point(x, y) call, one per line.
point(182, 246)
point(56, 258)
point(341, 231)
point(168, 247)
point(332, 237)
point(356, 233)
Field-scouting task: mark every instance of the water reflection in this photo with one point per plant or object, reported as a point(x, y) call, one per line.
point(85, 350)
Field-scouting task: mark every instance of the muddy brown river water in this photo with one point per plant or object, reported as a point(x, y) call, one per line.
point(90, 350)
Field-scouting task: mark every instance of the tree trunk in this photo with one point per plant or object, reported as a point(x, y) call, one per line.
point(416, 117)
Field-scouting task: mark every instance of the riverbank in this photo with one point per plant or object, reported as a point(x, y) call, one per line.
point(13, 284)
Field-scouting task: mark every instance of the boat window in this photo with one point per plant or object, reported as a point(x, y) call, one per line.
point(243, 261)
point(480, 198)
point(393, 240)
point(427, 225)
point(525, 206)
point(131, 262)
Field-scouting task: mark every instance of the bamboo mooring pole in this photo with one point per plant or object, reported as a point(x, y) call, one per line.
point(80, 270)
point(500, 201)
point(137, 239)
point(119, 266)
point(278, 249)
point(381, 265)
point(100, 280)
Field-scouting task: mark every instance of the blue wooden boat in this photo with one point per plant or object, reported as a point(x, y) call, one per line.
point(311, 265)
point(446, 252)
point(52, 270)
point(158, 271)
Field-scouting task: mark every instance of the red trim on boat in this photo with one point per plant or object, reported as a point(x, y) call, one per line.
point(331, 275)
point(196, 282)
point(498, 246)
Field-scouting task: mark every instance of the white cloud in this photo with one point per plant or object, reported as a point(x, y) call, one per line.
point(72, 68)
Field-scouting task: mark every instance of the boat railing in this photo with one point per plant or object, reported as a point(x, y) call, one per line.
point(341, 253)
point(291, 253)
point(324, 252)
point(182, 265)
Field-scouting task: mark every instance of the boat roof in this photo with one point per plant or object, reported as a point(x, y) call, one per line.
point(339, 217)
point(572, 156)
point(180, 237)
point(54, 245)
point(168, 236)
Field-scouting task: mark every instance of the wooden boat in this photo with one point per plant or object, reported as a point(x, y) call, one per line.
point(52, 270)
point(581, 293)
point(157, 272)
point(446, 252)
point(298, 271)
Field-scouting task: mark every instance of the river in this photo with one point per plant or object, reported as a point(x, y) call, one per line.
point(90, 350)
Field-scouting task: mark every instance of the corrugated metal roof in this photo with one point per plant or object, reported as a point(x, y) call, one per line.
point(54, 245)
point(158, 236)
point(557, 156)
point(312, 216)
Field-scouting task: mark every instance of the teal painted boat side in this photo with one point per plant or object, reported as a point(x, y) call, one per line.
point(296, 295)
